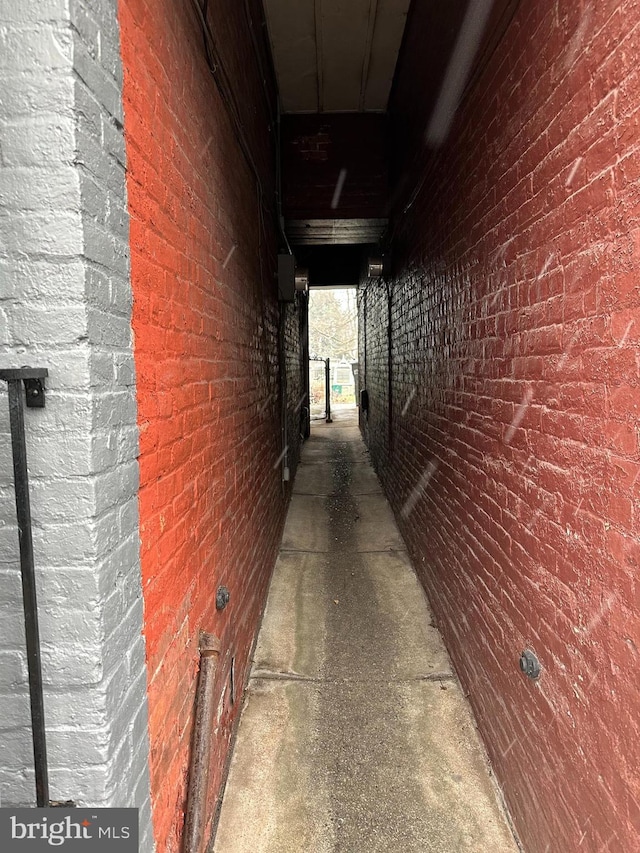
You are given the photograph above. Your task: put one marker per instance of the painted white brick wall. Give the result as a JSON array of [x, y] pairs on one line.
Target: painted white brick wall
[[65, 304]]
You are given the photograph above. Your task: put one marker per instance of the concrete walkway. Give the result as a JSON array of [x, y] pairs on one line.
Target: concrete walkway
[[355, 736]]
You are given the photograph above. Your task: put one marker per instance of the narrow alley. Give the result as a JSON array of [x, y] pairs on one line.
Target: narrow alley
[[356, 736], [446, 580]]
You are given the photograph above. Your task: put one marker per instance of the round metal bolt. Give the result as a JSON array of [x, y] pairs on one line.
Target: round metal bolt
[[529, 664], [222, 597]]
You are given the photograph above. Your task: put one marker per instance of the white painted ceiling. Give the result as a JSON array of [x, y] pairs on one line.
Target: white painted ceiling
[[335, 55]]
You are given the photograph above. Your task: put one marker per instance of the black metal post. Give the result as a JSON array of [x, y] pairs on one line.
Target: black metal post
[[327, 380], [305, 411], [15, 378]]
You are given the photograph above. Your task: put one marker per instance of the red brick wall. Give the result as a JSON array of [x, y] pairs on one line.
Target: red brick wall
[[315, 148], [206, 347], [512, 437]]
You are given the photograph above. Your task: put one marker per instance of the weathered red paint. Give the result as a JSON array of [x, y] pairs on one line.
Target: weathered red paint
[[205, 319], [514, 389]]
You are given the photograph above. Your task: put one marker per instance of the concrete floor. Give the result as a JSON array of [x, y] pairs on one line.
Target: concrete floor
[[355, 736]]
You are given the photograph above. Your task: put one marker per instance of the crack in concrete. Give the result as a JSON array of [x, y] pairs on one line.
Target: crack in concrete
[[263, 675], [350, 552]]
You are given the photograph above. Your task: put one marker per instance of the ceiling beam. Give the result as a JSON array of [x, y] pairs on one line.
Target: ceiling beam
[[322, 232]]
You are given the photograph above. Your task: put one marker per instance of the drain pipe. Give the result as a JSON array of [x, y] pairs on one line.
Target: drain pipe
[[201, 746], [284, 409]]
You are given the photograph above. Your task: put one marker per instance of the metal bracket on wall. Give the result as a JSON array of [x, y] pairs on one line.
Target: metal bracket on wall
[[529, 664], [223, 597], [34, 393], [33, 379]]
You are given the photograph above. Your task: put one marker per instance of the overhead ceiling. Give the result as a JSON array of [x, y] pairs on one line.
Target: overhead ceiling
[[335, 55]]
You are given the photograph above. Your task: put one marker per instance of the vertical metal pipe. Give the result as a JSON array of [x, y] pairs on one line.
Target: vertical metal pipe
[[327, 392], [195, 820], [363, 382], [390, 367], [284, 392], [304, 336], [27, 569]]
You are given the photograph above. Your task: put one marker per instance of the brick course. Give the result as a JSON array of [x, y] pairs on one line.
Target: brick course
[[510, 451]]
